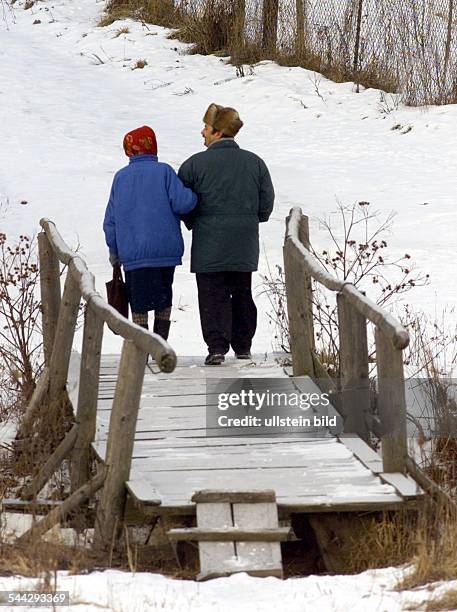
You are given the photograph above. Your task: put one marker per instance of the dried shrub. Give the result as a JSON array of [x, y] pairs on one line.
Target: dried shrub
[[357, 253], [425, 539], [140, 64], [210, 28], [431, 358], [160, 12], [20, 331]]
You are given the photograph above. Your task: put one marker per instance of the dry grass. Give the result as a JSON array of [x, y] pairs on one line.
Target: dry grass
[[358, 542], [140, 64], [36, 441], [446, 602], [435, 555], [120, 31], [385, 541], [160, 12], [426, 540], [211, 31], [41, 559]]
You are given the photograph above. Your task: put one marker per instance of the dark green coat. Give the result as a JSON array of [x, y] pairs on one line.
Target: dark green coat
[[235, 193]]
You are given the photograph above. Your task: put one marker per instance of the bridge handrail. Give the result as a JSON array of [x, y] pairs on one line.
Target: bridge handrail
[[354, 309], [377, 315], [59, 317], [163, 354]]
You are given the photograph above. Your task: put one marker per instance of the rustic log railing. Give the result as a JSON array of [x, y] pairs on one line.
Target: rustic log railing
[[354, 310], [59, 316]]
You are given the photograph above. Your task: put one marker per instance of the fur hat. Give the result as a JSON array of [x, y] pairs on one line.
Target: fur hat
[[141, 141], [223, 119]]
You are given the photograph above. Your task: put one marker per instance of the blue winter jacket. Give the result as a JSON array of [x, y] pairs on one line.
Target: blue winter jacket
[[142, 219]]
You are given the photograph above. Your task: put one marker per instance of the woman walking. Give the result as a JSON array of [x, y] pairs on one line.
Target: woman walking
[[142, 228]]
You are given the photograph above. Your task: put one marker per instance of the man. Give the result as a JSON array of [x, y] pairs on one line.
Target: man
[[235, 193]]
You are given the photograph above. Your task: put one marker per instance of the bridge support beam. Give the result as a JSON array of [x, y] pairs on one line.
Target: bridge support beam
[[391, 404], [63, 341], [50, 293], [355, 384], [86, 414], [299, 304], [121, 439]]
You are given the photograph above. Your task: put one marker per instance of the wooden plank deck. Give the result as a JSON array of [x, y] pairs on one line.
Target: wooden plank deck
[[173, 457]]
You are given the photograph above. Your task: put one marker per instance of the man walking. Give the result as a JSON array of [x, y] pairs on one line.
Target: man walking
[[235, 193]]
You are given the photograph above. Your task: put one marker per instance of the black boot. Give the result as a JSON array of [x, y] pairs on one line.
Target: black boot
[[162, 328]]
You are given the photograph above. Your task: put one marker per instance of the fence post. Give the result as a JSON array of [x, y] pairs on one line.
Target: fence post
[[121, 437], [300, 36], [50, 293], [355, 384], [299, 305], [86, 414], [357, 43], [448, 40], [63, 341], [240, 18], [270, 25], [391, 403]]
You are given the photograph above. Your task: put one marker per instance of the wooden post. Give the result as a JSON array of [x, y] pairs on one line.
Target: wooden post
[[58, 514], [303, 235], [50, 293], [391, 404], [357, 43], [121, 438], [270, 25], [300, 34], [355, 385], [447, 49], [63, 341], [299, 307], [39, 394], [51, 465], [86, 414], [238, 27]]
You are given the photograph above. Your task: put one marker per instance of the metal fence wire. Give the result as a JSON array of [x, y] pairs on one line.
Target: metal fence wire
[[406, 46]]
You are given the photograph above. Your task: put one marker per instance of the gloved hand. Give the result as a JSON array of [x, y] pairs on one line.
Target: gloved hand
[[114, 259]]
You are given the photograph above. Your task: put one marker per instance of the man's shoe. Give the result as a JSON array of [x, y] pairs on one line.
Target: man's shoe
[[243, 355], [214, 359]]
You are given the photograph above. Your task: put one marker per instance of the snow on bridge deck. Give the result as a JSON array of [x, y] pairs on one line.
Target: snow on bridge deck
[[173, 457]]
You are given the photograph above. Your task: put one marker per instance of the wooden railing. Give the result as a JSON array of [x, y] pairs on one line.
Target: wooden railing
[[59, 317], [354, 309]]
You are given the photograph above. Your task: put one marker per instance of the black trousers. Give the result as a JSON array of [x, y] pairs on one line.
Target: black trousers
[[228, 314]]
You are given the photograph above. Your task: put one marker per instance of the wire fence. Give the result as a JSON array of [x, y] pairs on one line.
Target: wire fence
[[406, 46]]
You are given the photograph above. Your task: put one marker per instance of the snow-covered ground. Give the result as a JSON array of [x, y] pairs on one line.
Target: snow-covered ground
[[119, 591], [116, 591], [67, 96]]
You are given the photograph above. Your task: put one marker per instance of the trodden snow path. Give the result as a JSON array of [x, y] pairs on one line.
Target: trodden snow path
[[68, 94]]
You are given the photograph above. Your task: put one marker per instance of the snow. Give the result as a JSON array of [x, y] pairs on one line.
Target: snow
[[116, 591], [67, 96], [65, 113]]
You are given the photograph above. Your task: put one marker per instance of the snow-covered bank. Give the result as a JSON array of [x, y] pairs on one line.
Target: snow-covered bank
[[124, 592], [68, 94], [117, 591]]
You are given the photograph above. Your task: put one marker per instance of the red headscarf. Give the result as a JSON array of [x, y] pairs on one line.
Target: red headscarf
[[141, 141]]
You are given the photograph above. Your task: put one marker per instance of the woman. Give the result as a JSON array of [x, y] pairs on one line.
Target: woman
[[142, 228]]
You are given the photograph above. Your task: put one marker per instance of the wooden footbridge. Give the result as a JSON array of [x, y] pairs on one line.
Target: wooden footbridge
[[146, 425]]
